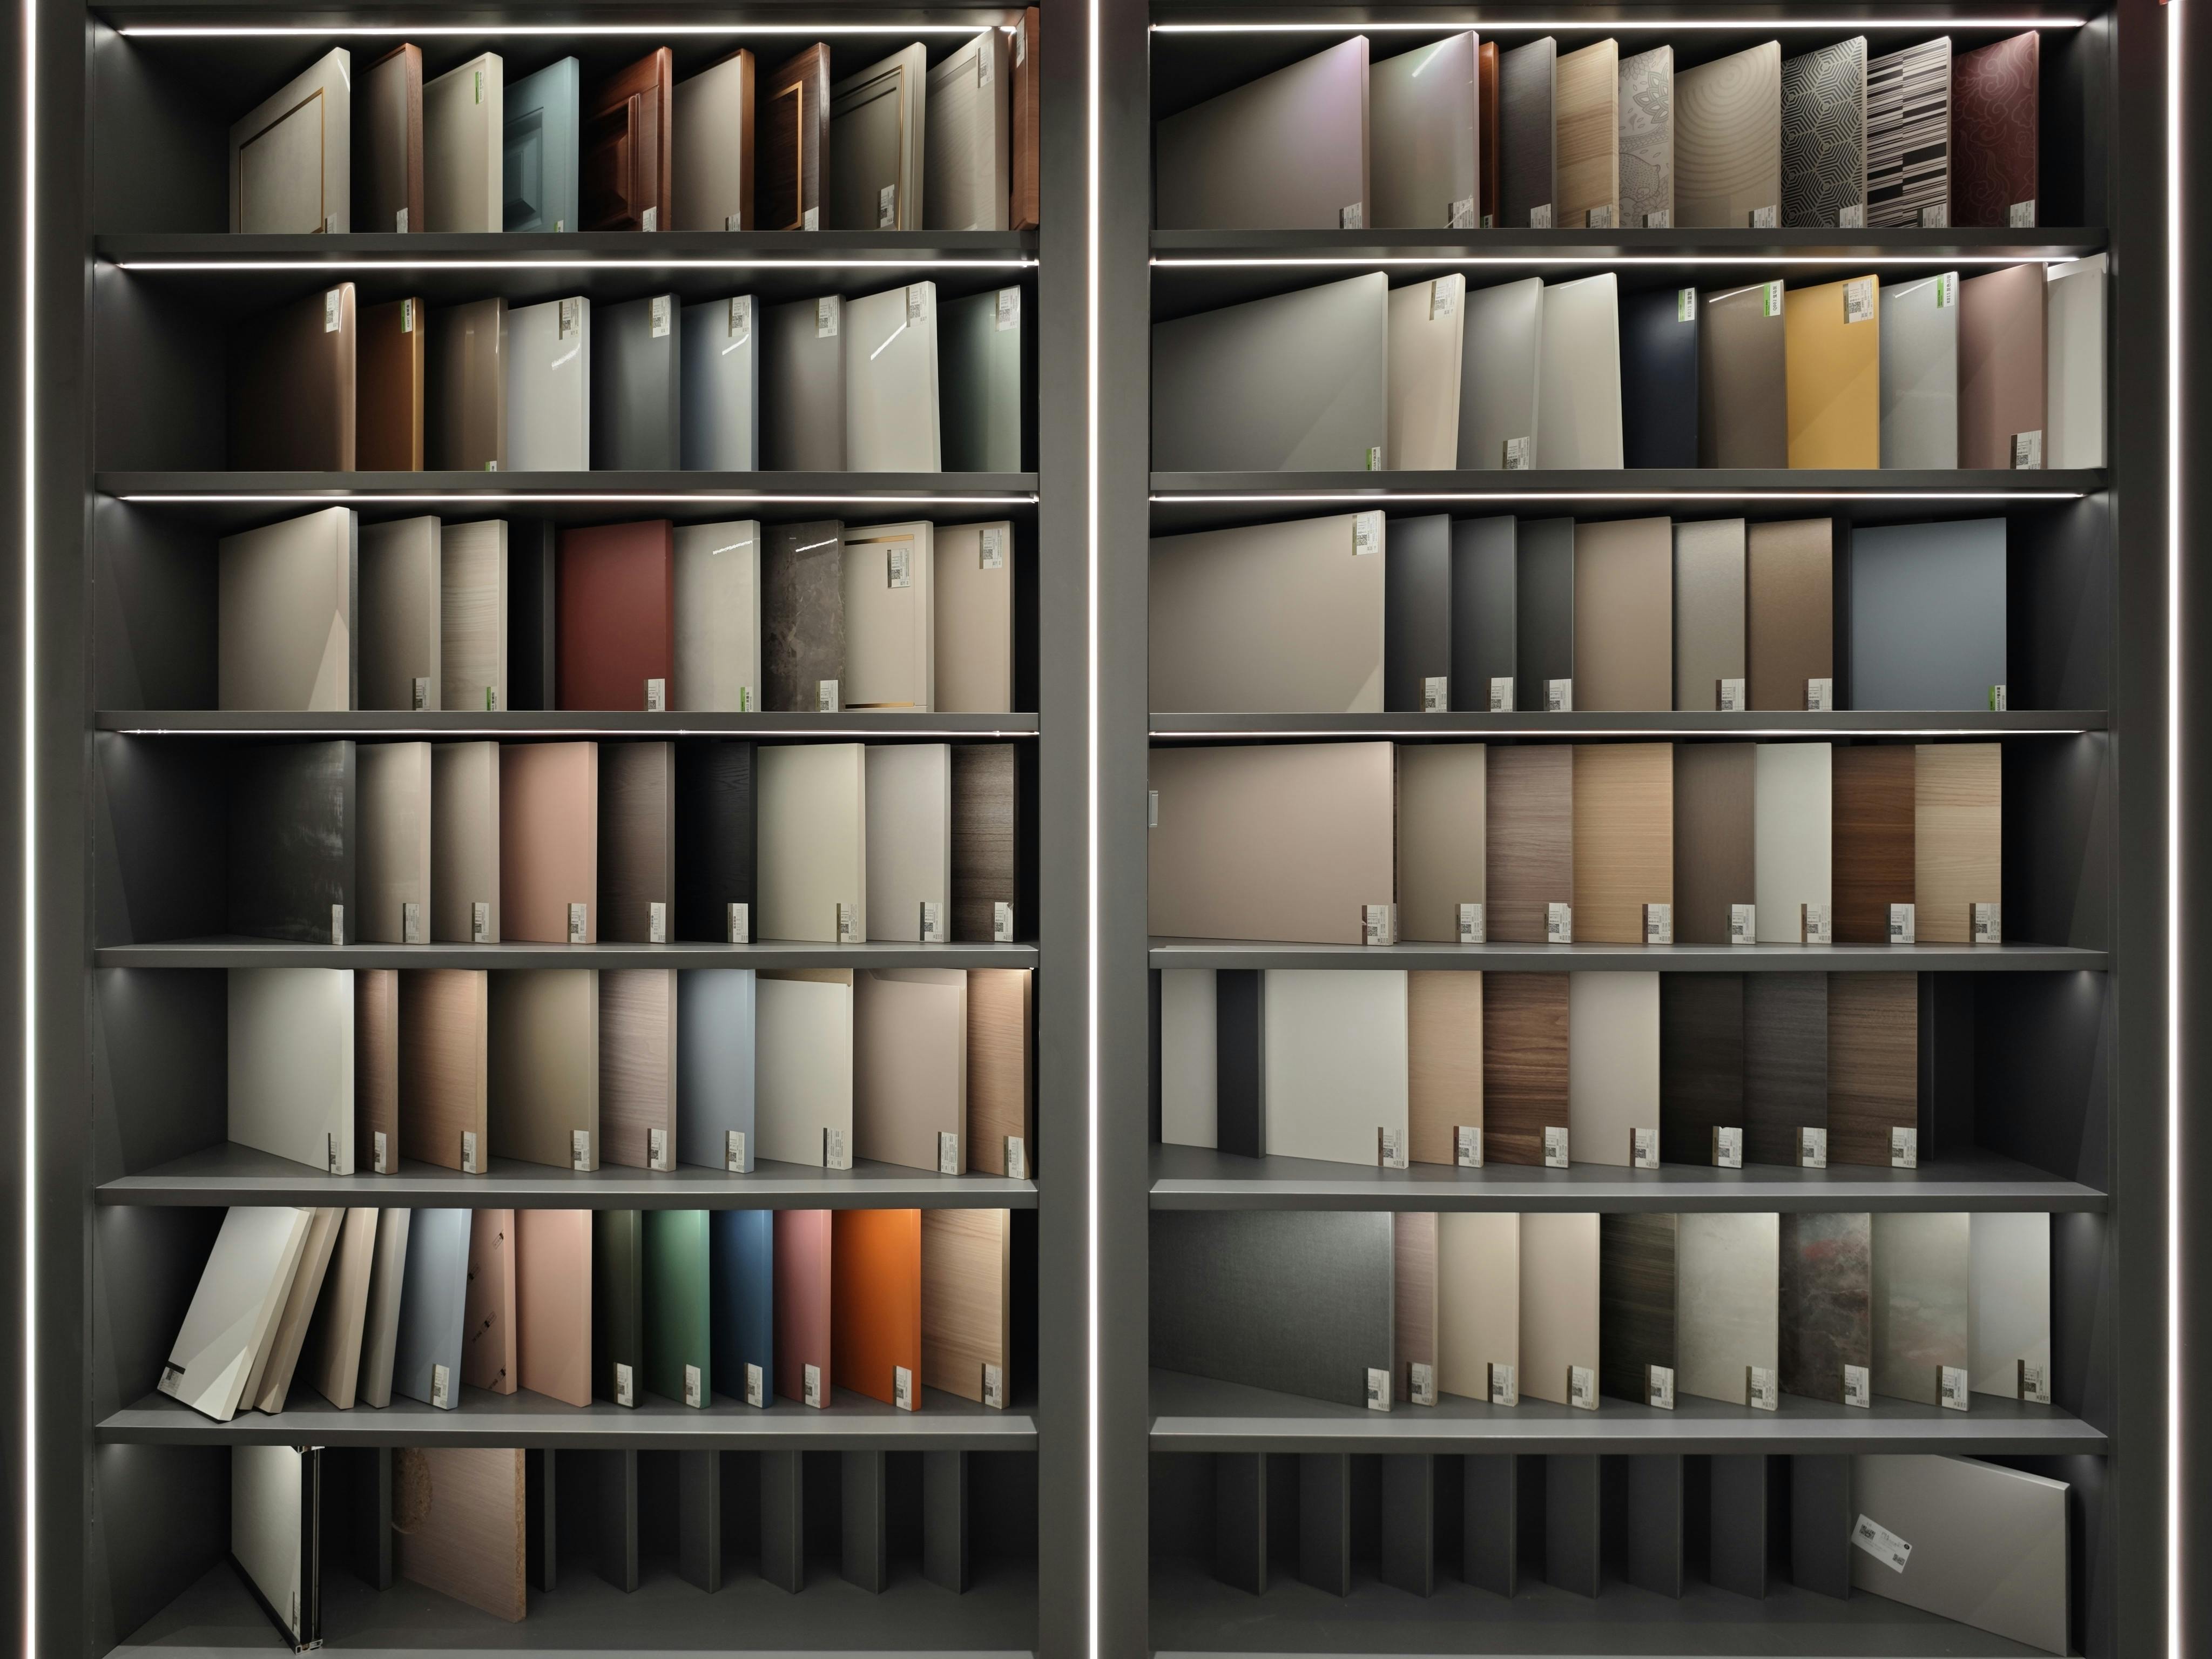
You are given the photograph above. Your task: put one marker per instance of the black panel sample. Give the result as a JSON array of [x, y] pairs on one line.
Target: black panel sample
[[864, 1520], [1240, 1520], [637, 405], [531, 608], [945, 1519], [699, 1518], [1572, 1508], [1240, 1059], [1504, 1535], [1651, 1504], [1659, 377], [783, 1520], [1820, 1517], [714, 844], [1743, 1525], [1325, 1521], [1544, 607], [1700, 1062], [615, 1527], [1417, 610], [1785, 1063], [292, 842], [1485, 611], [1635, 1301]]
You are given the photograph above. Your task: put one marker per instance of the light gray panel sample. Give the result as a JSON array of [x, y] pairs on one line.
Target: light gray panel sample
[[1498, 380], [721, 378], [1989, 1543], [1927, 615], [1920, 373], [1727, 1302], [1298, 382], [1922, 1274], [286, 598], [432, 1298], [803, 374], [979, 382], [636, 397], [891, 382], [714, 1067], [2008, 1304], [1285, 152], [965, 147], [1579, 376], [1424, 143], [549, 386]]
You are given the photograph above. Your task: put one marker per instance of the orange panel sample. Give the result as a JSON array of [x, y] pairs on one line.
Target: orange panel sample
[[875, 1300]]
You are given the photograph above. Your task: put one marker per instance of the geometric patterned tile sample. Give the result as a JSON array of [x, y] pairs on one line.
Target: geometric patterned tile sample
[[1824, 134]]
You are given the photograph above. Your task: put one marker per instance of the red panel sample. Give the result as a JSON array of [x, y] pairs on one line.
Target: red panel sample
[[803, 1300], [616, 615], [875, 1309]]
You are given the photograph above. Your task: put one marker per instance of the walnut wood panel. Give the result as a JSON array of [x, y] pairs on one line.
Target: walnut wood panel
[[999, 1088], [1958, 834], [983, 837], [794, 136], [1871, 851], [489, 1327], [457, 1514], [637, 1065], [1714, 837], [1524, 1064], [1789, 632], [1874, 1063], [389, 383], [1635, 1301], [444, 1014], [1785, 1063], [375, 1067], [1444, 1060], [966, 1257], [1586, 116], [1413, 1298], [626, 162], [1700, 1062], [1529, 855], [1624, 815], [637, 841]]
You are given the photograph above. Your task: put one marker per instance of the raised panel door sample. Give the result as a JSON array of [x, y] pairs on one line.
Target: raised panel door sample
[[463, 148], [813, 843], [1335, 1063], [875, 1300], [908, 839], [1927, 615], [1441, 838], [1728, 139], [1278, 618], [1790, 626], [1824, 134], [1478, 1299], [291, 157], [1792, 819], [878, 120], [275, 1504], [618, 1305], [1729, 1290], [375, 1069], [965, 155], [890, 607], [626, 143], [1920, 373], [389, 383], [1700, 1063], [2002, 340], [539, 168], [1922, 1272], [1413, 1300], [1485, 584], [794, 137], [678, 1305], [1560, 1327], [803, 1248], [714, 837], [1871, 811], [1636, 1317], [400, 582], [618, 614], [803, 1074], [1288, 151], [293, 401], [1423, 139], [1189, 1051], [488, 1349], [471, 606], [715, 1050], [548, 839], [1743, 414], [1785, 1063], [637, 841], [1580, 393], [2008, 1301], [1296, 383], [1873, 1064], [1624, 583], [1995, 123], [803, 617], [2074, 364], [910, 1065], [1624, 838], [637, 1068], [1908, 135], [544, 1066], [285, 602], [982, 347], [465, 842], [966, 1260], [553, 1303], [711, 135], [1524, 1064], [1027, 71], [891, 382], [1659, 377], [380, 1324], [1299, 1303], [426, 1363], [393, 779], [1647, 142], [719, 377], [1996, 1542], [1444, 1063], [1826, 1300], [548, 388], [444, 1039], [331, 1358], [292, 838], [1528, 839], [468, 360], [290, 1088], [460, 1524], [1714, 838], [1498, 385], [1527, 141], [1287, 842], [234, 1308], [1710, 610], [1586, 128], [1958, 838], [1426, 335], [1544, 607], [972, 648], [1417, 614], [637, 398], [999, 1088], [1613, 1064], [742, 1282], [1833, 375]]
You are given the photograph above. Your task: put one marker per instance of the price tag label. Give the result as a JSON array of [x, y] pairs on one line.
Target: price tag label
[[1951, 1387], [1858, 300], [1771, 299], [2027, 452], [2020, 216], [1581, 1388], [741, 924], [1391, 1147], [733, 1151], [1151, 809], [333, 310], [1018, 1158], [1997, 700], [917, 303], [410, 923], [1520, 454], [741, 314], [1002, 922], [579, 1149], [1852, 217], [1685, 305], [660, 311], [1727, 696], [656, 1153], [1350, 217], [1879, 1541], [1463, 214], [1989, 924], [1555, 1145], [733, 222], [1900, 924], [983, 64], [1601, 218], [993, 555], [1472, 929], [406, 315], [1466, 1145], [811, 1387], [480, 922], [898, 566], [1375, 458], [1904, 1148], [1009, 312], [948, 1153], [849, 923], [1764, 1389], [441, 1388], [932, 923], [1560, 696], [1558, 924], [570, 315], [1858, 1386], [1444, 298], [1658, 924], [835, 1156], [1812, 1148], [1728, 1147], [901, 1387], [1501, 695], [887, 207], [2035, 1381], [1504, 1389], [1659, 1387], [469, 1153], [1762, 218], [580, 923], [1936, 216], [1421, 1383], [1814, 924], [827, 310], [625, 1390], [694, 1395], [338, 924], [811, 218], [756, 1386], [1435, 694], [656, 696], [1819, 696], [422, 692], [1378, 1390], [826, 697], [383, 1156], [994, 1386], [1379, 924], [1366, 534], [1659, 219], [1743, 924], [656, 923], [1540, 217], [1644, 1148]]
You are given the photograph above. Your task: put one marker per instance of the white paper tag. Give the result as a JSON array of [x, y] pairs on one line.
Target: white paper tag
[[1659, 219], [1504, 1389], [1443, 298], [741, 924], [827, 310], [983, 66], [469, 1153], [383, 1157], [1009, 312], [948, 1153], [1519, 453], [1762, 218], [656, 922], [442, 1387], [1819, 696], [1997, 699], [932, 923], [1814, 924], [1555, 1145], [833, 1154], [649, 220], [1151, 809], [407, 312], [1901, 918], [734, 1151], [580, 923], [826, 697], [1390, 1148], [2027, 451], [1904, 1148], [2035, 1382], [1435, 694], [741, 315], [811, 218], [338, 924], [329, 1154], [480, 922], [1348, 218], [755, 1385], [656, 696], [733, 222], [1375, 458], [422, 692], [1002, 922], [1581, 1388], [1762, 1389], [917, 303], [1658, 924], [1472, 930], [1812, 1148], [1022, 44], [659, 313], [993, 555], [656, 1150], [1501, 695], [1989, 924], [1728, 1147], [1951, 1387], [1558, 924], [1644, 1148], [1743, 924], [1879, 1541], [848, 923], [1936, 216], [1379, 924], [333, 310], [2020, 216], [901, 1387], [1540, 217], [1858, 300], [1366, 534], [1489, 221], [693, 1395], [1461, 217], [1727, 696], [1659, 1387], [1420, 1382], [898, 566], [1601, 218], [1858, 1386], [1771, 299], [887, 207], [1466, 1145], [491, 700], [1852, 218], [811, 1387], [994, 1386], [1378, 1391], [1018, 1158], [1558, 697], [579, 1149], [569, 313], [625, 1393], [411, 922]]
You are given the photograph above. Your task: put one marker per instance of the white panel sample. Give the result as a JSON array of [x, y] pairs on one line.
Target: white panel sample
[[909, 841], [712, 157], [718, 618], [285, 601], [891, 606], [234, 1308], [464, 146], [1336, 1063], [966, 151], [1728, 1300], [380, 1335], [1613, 1064], [1580, 393], [1559, 1304], [812, 827], [549, 386], [268, 1522], [1478, 1298], [1189, 1057], [1427, 330], [1989, 1544], [290, 1090], [891, 382], [971, 572], [1423, 137], [1919, 322], [1923, 1300], [803, 1068], [1790, 836], [472, 617], [2008, 1300], [2074, 364], [1502, 352], [719, 381], [291, 157]]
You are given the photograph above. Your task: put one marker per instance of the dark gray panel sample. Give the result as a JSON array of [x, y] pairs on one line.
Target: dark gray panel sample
[[1785, 1063], [1407, 1548], [699, 1518], [1741, 1521], [1827, 1302], [615, 1520], [1572, 1508], [1240, 1520], [1485, 609], [1417, 610], [783, 1520], [1824, 133], [292, 835], [1503, 1539], [1652, 1493], [1543, 607], [1297, 1301], [945, 1519], [980, 343], [1927, 615], [532, 597], [714, 834], [802, 376], [1820, 1517], [864, 1520], [1240, 1055], [1659, 377], [1325, 1521], [637, 402], [1527, 162], [720, 386], [1700, 1062], [1635, 1301], [802, 614]]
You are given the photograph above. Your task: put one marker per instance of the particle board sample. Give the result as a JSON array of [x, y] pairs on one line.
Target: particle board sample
[[1586, 128], [637, 1068], [1484, 586], [972, 574], [889, 604], [637, 842], [1525, 1048], [291, 378], [891, 382], [1441, 838], [1335, 1063], [1289, 151], [803, 368], [719, 384], [1833, 375], [741, 1283], [1908, 135], [1501, 342], [1659, 377], [1544, 607], [1416, 612], [1927, 615], [616, 631], [1728, 140], [471, 377], [1785, 1063], [910, 1067], [965, 146], [291, 156], [278, 1357], [1638, 1320], [1613, 1065], [1990, 1545], [627, 148], [1709, 611], [1624, 838], [637, 393], [465, 787], [465, 148], [1444, 1063], [380, 1324], [553, 1303], [985, 352], [1478, 1299], [471, 610], [1189, 1058], [2008, 1302], [813, 843], [1743, 395], [487, 1339], [1873, 1064], [544, 1066], [1715, 838], [426, 1362], [1287, 841], [716, 1048], [389, 370], [802, 1075], [794, 137], [1560, 1325], [1920, 373], [1958, 838], [966, 1317], [290, 1081], [1995, 122], [618, 1306], [1824, 134], [1701, 1061], [234, 1308], [1789, 609], [460, 1524], [2002, 334], [1528, 139], [292, 838], [393, 811], [1826, 1300], [549, 386], [714, 837], [679, 1344], [444, 1037], [1424, 143], [1624, 583], [1647, 140], [984, 851], [874, 155], [1579, 393], [544, 114], [286, 598], [1427, 338], [1412, 1301], [2074, 364], [375, 1070], [332, 1357], [803, 617], [1528, 839], [875, 1303], [1729, 1284], [1922, 1272], [1792, 819], [711, 146], [1871, 813], [549, 840]]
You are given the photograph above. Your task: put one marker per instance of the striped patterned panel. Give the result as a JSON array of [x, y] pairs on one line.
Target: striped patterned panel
[[1909, 134]]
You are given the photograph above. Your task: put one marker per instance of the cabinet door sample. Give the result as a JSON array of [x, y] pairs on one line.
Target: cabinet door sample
[[1560, 1329], [531, 657], [627, 148], [966, 1260], [1613, 1064], [878, 120], [275, 1542], [908, 839], [637, 1068], [1336, 1064], [2074, 364], [460, 1526], [470, 604], [1908, 135], [465, 148], [803, 617], [426, 1362], [794, 136], [1296, 383], [1647, 146], [1785, 1063], [1638, 1320], [1586, 125], [1287, 842], [1700, 1063], [1624, 586], [270, 1381], [813, 843], [1996, 1542], [444, 1037], [291, 157], [678, 1304], [1478, 1299], [1580, 389], [1023, 205], [965, 149], [1624, 838], [234, 1310], [637, 400], [1288, 151], [544, 1066], [1922, 1272], [1444, 1063], [890, 382], [293, 404], [875, 1302], [1994, 131], [1423, 140], [1729, 1299], [400, 588], [618, 1306], [1743, 415], [981, 344], [1714, 838], [470, 373], [1524, 1064], [1296, 1303], [803, 367], [1927, 615], [910, 1066], [290, 1078], [972, 648], [1958, 838], [637, 842], [553, 1303], [1502, 343], [1189, 1058], [1920, 373], [802, 1301], [1873, 1064], [394, 875], [1728, 140], [380, 1324], [1824, 134], [1659, 377], [803, 1074], [1833, 379], [488, 1343], [741, 1283], [1826, 1299], [1413, 1301], [1528, 139], [1789, 627], [1792, 819], [285, 602], [1426, 337], [889, 605], [389, 372], [714, 837], [1416, 613], [2002, 340], [1544, 607], [617, 632], [711, 136], [1484, 587], [999, 1093], [465, 842], [2009, 1303], [538, 170], [719, 375], [332, 1360], [549, 840], [1871, 813], [294, 833], [1710, 610], [1441, 838], [715, 1049], [548, 388], [1528, 839]]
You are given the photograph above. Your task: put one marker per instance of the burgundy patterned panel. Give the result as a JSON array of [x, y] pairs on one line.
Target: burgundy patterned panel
[[1993, 115]]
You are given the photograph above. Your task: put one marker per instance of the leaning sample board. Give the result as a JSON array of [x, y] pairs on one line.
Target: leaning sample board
[[444, 1051], [891, 382], [1871, 842], [1501, 342], [1525, 1059], [1639, 1316], [1479, 1304], [2008, 1305], [331, 1358], [270, 1381], [2074, 364], [1579, 382], [966, 1305], [617, 1305], [2003, 337], [803, 1100], [542, 115], [1922, 1275], [1743, 415], [488, 1342], [1527, 840], [1995, 126], [713, 157], [1000, 1135], [803, 617], [1586, 127], [985, 853], [1715, 832], [234, 1308], [286, 598], [1828, 1302], [380, 1321], [1424, 137], [553, 1303], [910, 1068], [813, 843], [1709, 611], [1659, 377], [1528, 139], [291, 156], [794, 141], [1792, 818], [875, 1304], [1624, 840], [1874, 1064], [1785, 1065], [1990, 1544], [290, 1071], [460, 1523], [1624, 582], [1788, 612], [1426, 341], [275, 1535], [1288, 151], [803, 370], [426, 1362], [983, 349], [465, 148], [1443, 1063]]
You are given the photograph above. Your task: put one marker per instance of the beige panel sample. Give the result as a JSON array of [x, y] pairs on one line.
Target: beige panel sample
[[972, 570], [2074, 364], [1586, 136], [1478, 1299], [444, 1035], [1443, 1061], [464, 840], [813, 842], [910, 1066], [889, 611], [712, 158], [285, 602], [291, 157], [1709, 611], [1728, 140], [1613, 1064], [1335, 1066], [1790, 610], [553, 1303], [332, 1359], [375, 1068], [545, 1066], [394, 873], [637, 1068], [472, 617], [1958, 838], [458, 1523], [909, 841], [1427, 320], [290, 1333], [2008, 1301], [380, 1324], [465, 149], [1441, 859], [1189, 1056], [1990, 1544], [1792, 830], [965, 156], [290, 1076], [1623, 595], [488, 1329], [1624, 815], [1285, 152], [1727, 1279], [1001, 1092], [1559, 1304], [548, 839], [1412, 1300], [803, 1069], [401, 598], [967, 1258], [718, 616]]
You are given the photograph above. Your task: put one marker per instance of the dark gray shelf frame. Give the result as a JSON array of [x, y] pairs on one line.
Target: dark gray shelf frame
[[558, 723], [1665, 958], [1969, 723], [234, 952]]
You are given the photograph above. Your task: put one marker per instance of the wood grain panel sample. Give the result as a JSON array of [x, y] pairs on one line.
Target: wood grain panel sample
[[678, 1304], [985, 848], [1923, 1278], [1524, 1064], [1441, 838], [332, 1359], [1613, 1064], [794, 137], [1000, 1092], [1528, 839], [1022, 207], [1709, 611], [1790, 610], [393, 873], [637, 840], [618, 1305], [966, 1303], [1958, 838], [1728, 1274], [488, 1338], [553, 1303], [460, 1524], [875, 1300], [1478, 1299], [1873, 1064], [1412, 1300], [1792, 814], [1728, 139], [1743, 388], [388, 142], [1785, 1063], [1624, 838], [1700, 1063], [1834, 375], [802, 1303], [389, 384], [293, 835], [1559, 1325], [1824, 134], [1586, 127], [1636, 1302], [544, 1066], [465, 841], [1714, 829], [2003, 336], [624, 174], [910, 1065], [472, 601], [1826, 1300], [375, 1069], [293, 403], [1488, 110], [548, 839], [1444, 1063], [637, 1067], [464, 400], [1871, 847], [715, 836], [618, 617], [287, 598], [1995, 95], [1528, 140], [443, 1025], [1624, 583], [802, 615]]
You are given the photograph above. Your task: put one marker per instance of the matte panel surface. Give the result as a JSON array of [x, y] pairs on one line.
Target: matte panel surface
[[1728, 139], [802, 1301], [637, 840], [549, 857], [1624, 583], [637, 1067], [1659, 373], [966, 1314], [1647, 142], [433, 1308], [813, 842], [875, 1304], [1424, 144], [677, 1307], [539, 171], [1873, 1064], [999, 1085], [392, 786], [2008, 1302], [803, 380], [1990, 1545], [1871, 791], [1828, 1310], [910, 1065], [1613, 1065], [1792, 821], [802, 613], [1833, 375], [711, 154], [1484, 620], [1701, 1060], [444, 1039], [289, 1075], [465, 788], [1958, 838], [1524, 1064], [1336, 1063], [553, 1303], [1579, 393], [1785, 1063], [1728, 1278], [1528, 139], [1923, 1272], [617, 622], [972, 575], [714, 1077], [1478, 1298], [463, 148], [1444, 1063], [544, 1066], [1927, 615], [487, 1339], [1427, 325], [1498, 384], [715, 836], [293, 841], [472, 617], [286, 598], [802, 1077], [1790, 610], [1286, 152], [2002, 340], [1743, 414], [1624, 838], [1709, 611], [1441, 840], [1920, 373], [1560, 1327]]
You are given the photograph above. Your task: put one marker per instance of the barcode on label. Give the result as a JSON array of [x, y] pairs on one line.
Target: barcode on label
[[1644, 1148], [1728, 1147], [656, 923], [1560, 696], [755, 1385], [1558, 924], [656, 1149], [898, 566], [825, 315], [2027, 451], [1519, 454], [649, 220], [1819, 695], [917, 303], [1858, 300], [1540, 217], [1002, 922], [1659, 219], [1951, 1387], [480, 922], [1421, 1383], [411, 922], [442, 1387], [407, 312], [625, 1393], [1771, 296], [932, 923], [810, 220], [1904, 1148], [580, 923], [811, 1388], [1472, 930], [2020, 216], [948, 1153], [694, 1395], [994, 1386], [1009, 314], [1812, 1148], [1727, 694], [1852, 217], [741, 314], [579, 1149], [656, 696], [1936, 216], [1018, 1158], [1379, 924], [1989, 924], [903, 1388], [1501, 695], [659, 312], [1504, 1389], [887, 207], [1378, 1390], [1763, 1388], [1463, 214], [570, 309], [1348, 218], [1581, 1388], [1762, 218], [994, 554], [1601, 218], [834, 1154], [825, 697], [1858, 1386], [1555, 1145], [1814, 919], [1901, 924], [1879, 1541], [1366, 534], [733, 1151], [1392, 1148], [469, 1153], [1435, 694], [1466, 1145], [1444, 298], [1658, 924], [847, 925], [1659, 1387], [741, 924], [1743, 924], [333, 310]]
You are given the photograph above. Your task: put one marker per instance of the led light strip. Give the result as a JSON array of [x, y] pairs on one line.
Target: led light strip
[[1383, 495], [1820, 733], [1623, 25], [1178, 262], [2177, 472], [1094, 146], [431, 263], [30, 908], [762, 734], [512, 31], [643, 498]]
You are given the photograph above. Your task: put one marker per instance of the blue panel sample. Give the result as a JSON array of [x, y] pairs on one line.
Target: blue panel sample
[[1659, 377], [432, 1298], [540, 169], [714, 1066], [1927, 615], [743, 1299]]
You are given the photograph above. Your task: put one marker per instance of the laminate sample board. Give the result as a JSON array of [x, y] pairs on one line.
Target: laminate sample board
[[469, 360], [813, 843], [331, 1358], [549, 842], [1647, 145], [803, 616], [1958, 838], [889, 604], [286, 598], [553, 1303], [637, 842], [1528, 140], [1826, 1300], [1927, 615], [393, 814], [716, 1045], [1728, 1278], [234, 1308], [1417, 614], [1414, 1301], [637, 394], [617, 632], [465, 148], [1613, 1065], [803, 1066], [1478, 1300], [1715, 838], [711, 155], [743, 1285], [532, 658], [487, 1340], [985, 354], [1824, 134], [1441, 838], [1871, 792], [1024, 119], [1579, 389], [637, 1068], [966, 152], [1995, 92], [618, 1305], [1287, 841], [1922, 1269], [1710, 610], [1299, 1302], [878, 119], [274, 1363], [1701, 1063], [292, 386], [794, 136], [910, 1067], [1833, 378], [1785, 1063], [444, 1041], [2002, 340], [1489, 109], [627, 148], [802, 1301], [1873, 1064], [276, 1508], [1500, 373], [875, 1303], [544, 1066], [1659, 377], [1792, 819], [1485, 584], [1728, 140], [1789, 627], [966, 1314], [1560, 1323], [803, 370], [972, 574], [380, 1322], [291, 1079], [1443, 1063], [1426, 334], [293, 839], [1000, 1068], [549, 386], [1990, 1546], [1525, 1050], [426, 1362], [1908, 135], [1544, 607], [1624, 582], [1624, 838], [1240, 1049], [2008, 1304], [460, 1524], [1636, 1316], [2074, 364], [291, 156], [1289, 151], [472, 617], [1528, 839], [389, 382], [909, 838], [465, 842], [984, 846], [717, 603], [1586, 127], [679, 1362], [1920, 373], [544, 115], [1423, 139], [719, 380], [1335, 1063], [1743, 392]]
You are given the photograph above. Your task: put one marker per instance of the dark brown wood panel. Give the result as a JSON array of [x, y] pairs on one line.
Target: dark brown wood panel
[[1874, 1063], [387, 146], [388, 387], [627, 164], [1700, 1062], [983, 837], [1785, 1063], [375, 1067], [1827, 1301], [637, 841], [1635, 1302], [795, 141], [1524, 1064], [1529, 858], [1871, 849], [1713, 837], [1790, 605]]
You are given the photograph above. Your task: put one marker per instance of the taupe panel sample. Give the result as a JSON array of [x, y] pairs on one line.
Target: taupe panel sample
[[465, 841], [803, 385], [1298, 382], [1927, 615], [472, 617], [1524, 1064], [1874, 1063], [802, 613], [1580, 390], [890, 382], [285, 601], [1502, 340], [1920, 373], [1922, 1269], [1789, 627], [966, 1308], [910, 1065], [487, 1339], [637, 1067], [972, 575], [549, 386], [291, 843], [1710, 611], [718, 373], [548, 839], [986, 867], [380, 1324], [1785, 1063], [553, 1303], [1444, 1063], [290, 1082], [1743, 402], [1728, 139], [1586, 128], [332, 1359], [1958, 838], [1413, 1299], [444, 1027], [393, 781], [967, 159], [464, 146], [291, 157], [1527, 141], [375, 1067], [1727, 1279], [2074, 364], [1623, 586], [1792, 821], [1335, 1062], [1613, 1065], [1624, 838], [1286, 152], [1558, 1303], [1278, 618], [1635, 1301], [1189, 1058], [1647, 138], [873, 156], [813, 842], [1441, 837], [2002, 340], [545, 1048], [465, 410], [1827, 1308], [711, 148], [1284, 842], [803, 1070], [890, 604], [1478, 1299], [1426, 329], [1485, 588], [1824, 134], [1528, 839], [1424, 142], [909, 841], [637, 841], [1990, 1544], [2008, 1301], [1714, 837], [1001, 1092], [459, 1517]]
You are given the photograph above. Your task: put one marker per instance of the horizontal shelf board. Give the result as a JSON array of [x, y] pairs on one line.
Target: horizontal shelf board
[[647, 251], [1198, 1414], [1758, 723], [944, 1422], [561, 723], [233, 952], [1666, 958], [240, 1175], [1201, 1178]]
